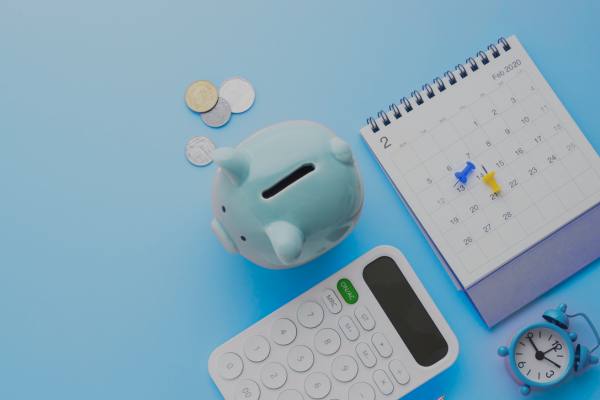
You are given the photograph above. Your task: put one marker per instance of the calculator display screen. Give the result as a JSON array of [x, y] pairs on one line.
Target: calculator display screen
[[404, 309]]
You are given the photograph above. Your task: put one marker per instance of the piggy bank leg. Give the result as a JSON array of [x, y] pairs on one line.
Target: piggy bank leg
[[223, 236], [286, 239]]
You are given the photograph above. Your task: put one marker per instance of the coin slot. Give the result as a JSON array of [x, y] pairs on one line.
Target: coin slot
[[296, 175]]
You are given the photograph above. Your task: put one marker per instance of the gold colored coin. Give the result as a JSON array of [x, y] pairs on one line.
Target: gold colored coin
[[201, 96]]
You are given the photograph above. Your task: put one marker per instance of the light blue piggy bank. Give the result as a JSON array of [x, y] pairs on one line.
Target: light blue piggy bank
[[286, 194]]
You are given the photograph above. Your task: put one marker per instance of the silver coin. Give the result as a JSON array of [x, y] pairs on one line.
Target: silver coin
[[219, 115], [199, 150], [239, 93]]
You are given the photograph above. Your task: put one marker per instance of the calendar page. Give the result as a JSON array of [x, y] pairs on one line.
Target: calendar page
[[503, 118]]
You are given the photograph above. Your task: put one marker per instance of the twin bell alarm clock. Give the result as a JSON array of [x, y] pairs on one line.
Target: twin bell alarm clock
[[544, 354], [286, 194]]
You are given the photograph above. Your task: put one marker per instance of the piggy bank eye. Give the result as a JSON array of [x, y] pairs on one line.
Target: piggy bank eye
[[223, 208], [243, 238]]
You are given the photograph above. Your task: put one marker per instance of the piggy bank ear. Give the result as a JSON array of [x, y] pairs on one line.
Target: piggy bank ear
[[341, 150], [286, 240], [223, 236], [233, 162]]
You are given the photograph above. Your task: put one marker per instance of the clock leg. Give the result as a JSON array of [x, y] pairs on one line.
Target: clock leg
[[525, 389], [503, 351]]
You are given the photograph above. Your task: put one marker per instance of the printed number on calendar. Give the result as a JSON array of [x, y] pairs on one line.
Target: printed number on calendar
[[385, 141], [533, 171]]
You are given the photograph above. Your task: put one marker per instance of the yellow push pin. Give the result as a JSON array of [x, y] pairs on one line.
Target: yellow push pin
[[490, 180]]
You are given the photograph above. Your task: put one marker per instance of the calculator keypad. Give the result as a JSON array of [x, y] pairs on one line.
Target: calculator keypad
[[331, 301], [257, 349], [247, 390], [344, 368], [300, 358], [364, 317], [317, 385], [230, 366], [349, 328], [324, 342], [310, 314], [361, 391], [399, 372], [327, 341], [383, 382], [273, 375], [283, 331], [365, 355], [382, 345]]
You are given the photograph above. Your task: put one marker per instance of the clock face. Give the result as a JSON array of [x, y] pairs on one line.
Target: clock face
[[542, 355]]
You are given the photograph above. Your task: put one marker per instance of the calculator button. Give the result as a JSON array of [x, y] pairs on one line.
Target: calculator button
[[310, 314], [364, 317], [317, 385], [382, 345], [399, 372], [273, 375], [247, 390], [230, 366], [331, 301], [361, 391], [283, 331], [327, 341], [366, 356], [344, 368], [348, 328], [257, 348], [383, 382], [290, 394], [300, 358]]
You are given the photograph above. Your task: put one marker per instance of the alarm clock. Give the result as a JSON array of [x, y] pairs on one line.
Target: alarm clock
[[544, 354]]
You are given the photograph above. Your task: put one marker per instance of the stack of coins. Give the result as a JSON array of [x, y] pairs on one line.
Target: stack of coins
[[235, 95]]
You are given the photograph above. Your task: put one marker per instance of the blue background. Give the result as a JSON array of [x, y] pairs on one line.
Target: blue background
[[111, 282]]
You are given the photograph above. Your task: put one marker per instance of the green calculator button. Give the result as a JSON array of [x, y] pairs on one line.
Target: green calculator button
[[346, 289]]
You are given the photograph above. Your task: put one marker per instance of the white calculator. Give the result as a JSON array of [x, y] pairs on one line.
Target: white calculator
[[370, 331]]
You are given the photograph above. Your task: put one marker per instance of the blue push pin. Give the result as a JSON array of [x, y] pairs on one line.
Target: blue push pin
[[463, 175]]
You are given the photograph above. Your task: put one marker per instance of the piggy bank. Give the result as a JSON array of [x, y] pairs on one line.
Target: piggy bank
[[286, 194]]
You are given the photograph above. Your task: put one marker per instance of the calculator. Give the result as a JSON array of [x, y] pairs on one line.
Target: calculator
[[369, 331]]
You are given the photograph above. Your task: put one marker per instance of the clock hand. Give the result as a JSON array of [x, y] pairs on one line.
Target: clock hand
[[557, 366], [533, 344], [550, 349]]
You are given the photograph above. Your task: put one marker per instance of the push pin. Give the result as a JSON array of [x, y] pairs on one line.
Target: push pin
[[464, 174], [490, 179]]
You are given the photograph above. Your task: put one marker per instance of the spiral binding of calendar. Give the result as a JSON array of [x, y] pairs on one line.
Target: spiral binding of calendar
[[428, 92]]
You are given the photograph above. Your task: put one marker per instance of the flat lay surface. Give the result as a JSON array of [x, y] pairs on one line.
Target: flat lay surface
[[112, 284]]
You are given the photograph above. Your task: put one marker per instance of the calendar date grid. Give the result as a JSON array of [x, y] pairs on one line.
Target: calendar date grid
[[528, 137]]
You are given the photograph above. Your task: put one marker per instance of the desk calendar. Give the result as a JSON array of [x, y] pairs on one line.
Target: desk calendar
[[497, 113]]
